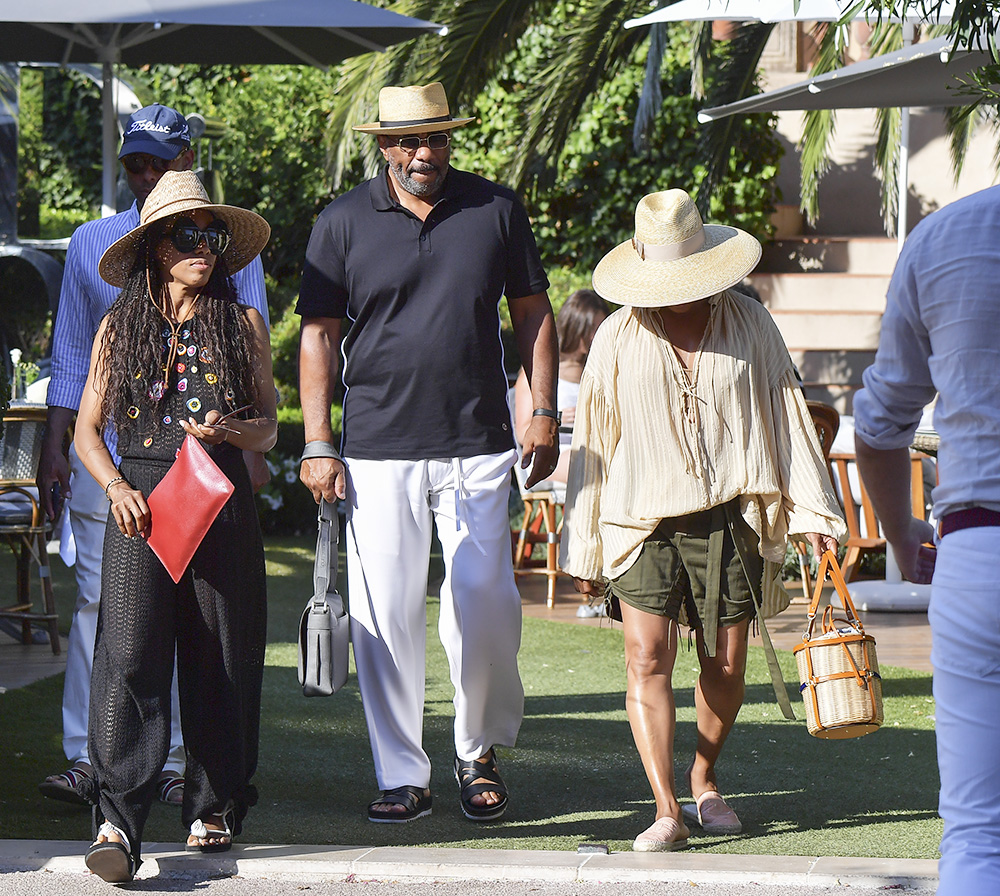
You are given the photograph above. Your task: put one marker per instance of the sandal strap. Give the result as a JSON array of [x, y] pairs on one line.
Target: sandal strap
[[167, 786], [406, 796], [75, 776], [107, 829], [470, 770], [202, 832]]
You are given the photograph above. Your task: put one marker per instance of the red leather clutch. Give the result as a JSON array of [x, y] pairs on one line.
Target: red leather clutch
[[184, 505]]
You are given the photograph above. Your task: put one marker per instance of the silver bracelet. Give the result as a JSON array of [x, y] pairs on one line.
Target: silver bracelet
[[114, 481]]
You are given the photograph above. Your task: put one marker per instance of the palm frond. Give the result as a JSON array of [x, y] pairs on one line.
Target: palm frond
[[593, 46], [819, 126], [887, 160], [736, 79], [701, 52], [651, 96]]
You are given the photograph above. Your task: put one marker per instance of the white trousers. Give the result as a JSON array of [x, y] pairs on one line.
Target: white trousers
[[965, 651], [391, 508], [88, 512]]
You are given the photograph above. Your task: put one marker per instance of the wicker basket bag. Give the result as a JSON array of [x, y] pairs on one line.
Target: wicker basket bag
[[838, 670]]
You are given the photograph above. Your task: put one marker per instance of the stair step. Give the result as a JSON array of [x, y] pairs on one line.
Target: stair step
[[829, 330], [820, 292], [842, 367], [830, 254]]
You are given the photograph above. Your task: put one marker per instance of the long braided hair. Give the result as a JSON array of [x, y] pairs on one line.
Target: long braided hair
[[131, 355]]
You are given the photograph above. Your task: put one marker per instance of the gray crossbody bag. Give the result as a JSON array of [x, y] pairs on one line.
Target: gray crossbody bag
[[323, 628]]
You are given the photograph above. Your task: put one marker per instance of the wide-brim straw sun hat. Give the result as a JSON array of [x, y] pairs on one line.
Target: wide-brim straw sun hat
[[177, 193], [412, 110], [674, 258]]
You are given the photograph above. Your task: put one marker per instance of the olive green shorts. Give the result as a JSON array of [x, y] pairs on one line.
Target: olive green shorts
[[670, 575]]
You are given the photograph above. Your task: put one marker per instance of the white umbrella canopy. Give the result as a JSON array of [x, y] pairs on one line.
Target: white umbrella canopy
[[207, 32], [775, 11]]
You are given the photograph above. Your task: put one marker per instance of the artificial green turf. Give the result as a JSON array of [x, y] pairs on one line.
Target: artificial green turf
[[574, 776]]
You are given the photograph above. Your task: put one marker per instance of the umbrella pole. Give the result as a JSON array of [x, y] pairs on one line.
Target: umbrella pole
[[902, 176], [109, 141], [902, 173]]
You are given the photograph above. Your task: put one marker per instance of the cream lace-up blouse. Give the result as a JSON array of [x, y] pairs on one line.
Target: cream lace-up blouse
[[652, 440]]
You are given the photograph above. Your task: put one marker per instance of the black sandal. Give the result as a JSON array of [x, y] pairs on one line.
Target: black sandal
[[477, 777], [415, 802], [110, 860]]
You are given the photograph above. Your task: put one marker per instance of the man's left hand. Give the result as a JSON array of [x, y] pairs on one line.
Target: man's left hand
[[541, 443]]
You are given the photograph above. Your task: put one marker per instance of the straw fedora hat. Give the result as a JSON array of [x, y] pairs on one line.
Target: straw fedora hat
[[177, 192], [412, 110], [674, 258]]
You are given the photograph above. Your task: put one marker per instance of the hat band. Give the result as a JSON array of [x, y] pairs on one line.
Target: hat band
[[669, 251], [161, 210], [414, 122]]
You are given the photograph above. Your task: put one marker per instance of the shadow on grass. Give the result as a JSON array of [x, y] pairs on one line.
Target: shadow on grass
[[574, 776]]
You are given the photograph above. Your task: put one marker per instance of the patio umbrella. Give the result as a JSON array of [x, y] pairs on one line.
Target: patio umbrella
[[924, 74], [207, 32]]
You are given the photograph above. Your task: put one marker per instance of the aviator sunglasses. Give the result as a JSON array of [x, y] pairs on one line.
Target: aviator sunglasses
[[186, 236], [412, 142]]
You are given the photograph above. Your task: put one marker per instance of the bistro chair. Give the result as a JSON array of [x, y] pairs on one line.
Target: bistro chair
[[542, 525], [864, 533], [23, 525]]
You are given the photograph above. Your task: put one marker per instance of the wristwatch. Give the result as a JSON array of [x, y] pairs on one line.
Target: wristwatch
[[545, 412]]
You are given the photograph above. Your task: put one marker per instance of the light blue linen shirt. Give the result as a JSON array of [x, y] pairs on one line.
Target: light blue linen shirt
[[941, 333], [85, 298]]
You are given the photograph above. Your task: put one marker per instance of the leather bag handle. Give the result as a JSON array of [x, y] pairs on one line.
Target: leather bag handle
[[327, 540], [829, 566]]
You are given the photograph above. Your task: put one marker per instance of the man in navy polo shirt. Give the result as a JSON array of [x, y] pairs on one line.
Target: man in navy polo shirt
[[417, 260]]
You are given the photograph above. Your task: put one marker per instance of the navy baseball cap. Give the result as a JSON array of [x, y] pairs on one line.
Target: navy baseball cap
[[156, 131]]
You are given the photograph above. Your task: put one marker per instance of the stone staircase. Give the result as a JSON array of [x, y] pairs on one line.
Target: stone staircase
[[827, 295]]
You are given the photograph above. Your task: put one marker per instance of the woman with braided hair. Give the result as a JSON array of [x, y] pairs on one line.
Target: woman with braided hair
[[177, 355]]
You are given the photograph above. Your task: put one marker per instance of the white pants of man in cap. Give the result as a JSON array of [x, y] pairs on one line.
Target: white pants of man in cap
[[392, 506]]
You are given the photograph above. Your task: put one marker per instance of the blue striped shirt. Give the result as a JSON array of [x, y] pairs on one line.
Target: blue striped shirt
[[85, 298]]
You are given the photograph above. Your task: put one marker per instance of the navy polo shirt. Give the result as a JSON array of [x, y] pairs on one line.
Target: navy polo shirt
[[423, 369]]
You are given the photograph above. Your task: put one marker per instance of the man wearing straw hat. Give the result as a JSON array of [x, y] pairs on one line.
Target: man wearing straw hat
[[156, 139], [418, 259], [693, 532], [939, 337]]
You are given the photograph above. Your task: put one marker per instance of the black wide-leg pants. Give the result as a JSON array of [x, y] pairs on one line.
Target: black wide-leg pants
[[215, 619]]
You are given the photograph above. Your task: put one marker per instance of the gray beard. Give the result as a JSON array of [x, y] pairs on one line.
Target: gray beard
[[414, 187]]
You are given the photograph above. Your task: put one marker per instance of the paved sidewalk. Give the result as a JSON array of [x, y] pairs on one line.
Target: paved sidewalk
[[318, 863]]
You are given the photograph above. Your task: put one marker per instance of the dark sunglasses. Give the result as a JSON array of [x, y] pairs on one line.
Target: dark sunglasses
[[412, 143], [187, 236], [137, 163]]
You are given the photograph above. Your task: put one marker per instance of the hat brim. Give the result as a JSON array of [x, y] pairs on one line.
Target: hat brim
[[250, 233], [156, 148], [375, 127], [726, 257]]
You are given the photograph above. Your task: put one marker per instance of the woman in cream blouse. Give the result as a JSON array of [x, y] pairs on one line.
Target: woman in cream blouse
[[694, 459]]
